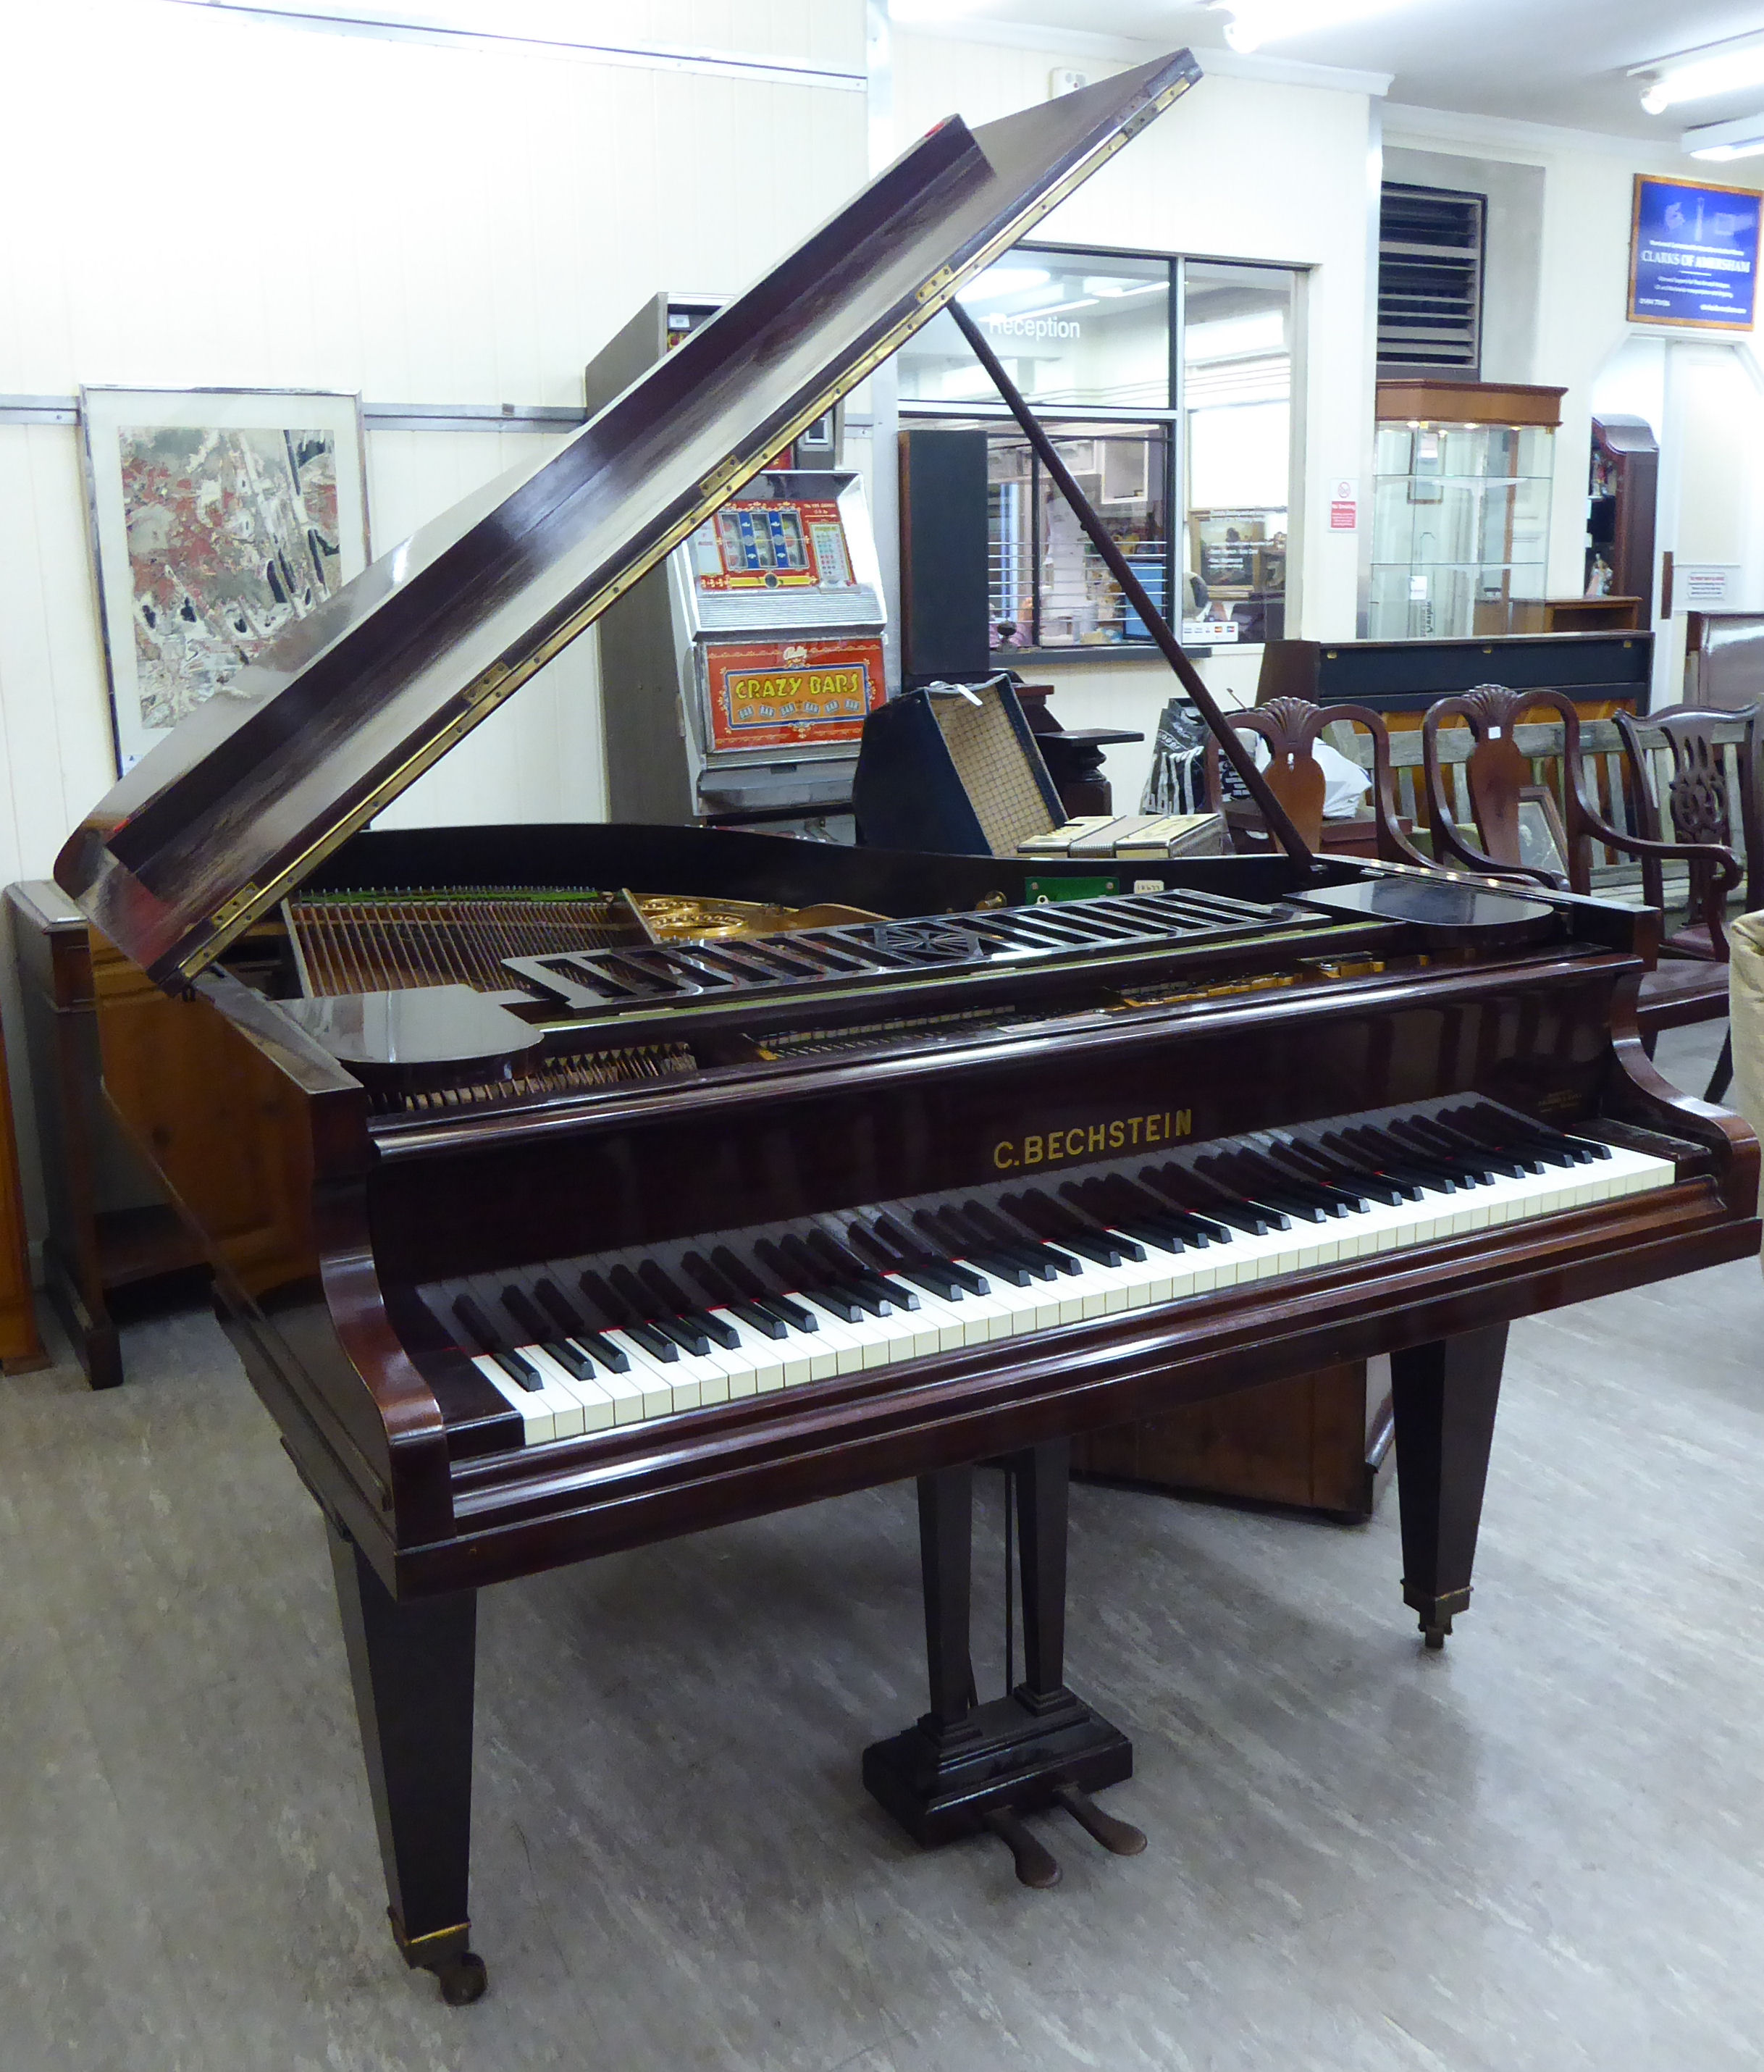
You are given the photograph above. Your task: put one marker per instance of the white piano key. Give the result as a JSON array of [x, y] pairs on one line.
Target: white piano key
[[595, 1402]]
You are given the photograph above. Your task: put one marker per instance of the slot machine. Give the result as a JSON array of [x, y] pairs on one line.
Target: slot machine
[[738, 676]]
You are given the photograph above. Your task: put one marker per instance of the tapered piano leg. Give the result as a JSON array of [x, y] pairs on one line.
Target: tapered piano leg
[[412, 1667], [946, 1533], [966, 1766], [1444, 1397]]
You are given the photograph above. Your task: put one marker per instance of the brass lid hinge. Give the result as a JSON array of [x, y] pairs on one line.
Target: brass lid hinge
[[225, 914]]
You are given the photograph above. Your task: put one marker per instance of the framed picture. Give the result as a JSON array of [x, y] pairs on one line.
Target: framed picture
[[219, 517], [1693, 254], [1543, 844]]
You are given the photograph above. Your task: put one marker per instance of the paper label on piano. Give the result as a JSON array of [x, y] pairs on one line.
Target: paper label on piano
[[792, 693]]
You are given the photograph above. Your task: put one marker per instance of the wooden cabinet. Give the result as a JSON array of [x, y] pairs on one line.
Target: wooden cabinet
[[20, 1346], [109, 1229], [1320, 1442], [1623, 489]]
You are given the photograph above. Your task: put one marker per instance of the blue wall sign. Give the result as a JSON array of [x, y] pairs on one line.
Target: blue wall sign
[[1693, 255]]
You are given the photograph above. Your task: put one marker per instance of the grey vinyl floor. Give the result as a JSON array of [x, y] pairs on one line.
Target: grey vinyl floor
[[1542, 1852]]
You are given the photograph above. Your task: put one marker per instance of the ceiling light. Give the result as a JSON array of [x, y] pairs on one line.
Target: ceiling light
[[911, 11], [1004, 281], [1255, 22], [1741, 138], [1726, 68]]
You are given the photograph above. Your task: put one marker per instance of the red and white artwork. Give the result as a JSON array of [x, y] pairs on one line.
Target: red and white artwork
[[232, 534]]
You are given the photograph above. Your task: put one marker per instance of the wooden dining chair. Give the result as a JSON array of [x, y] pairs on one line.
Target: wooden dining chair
[[1290, 727], [1677, 992], [1694, 958]]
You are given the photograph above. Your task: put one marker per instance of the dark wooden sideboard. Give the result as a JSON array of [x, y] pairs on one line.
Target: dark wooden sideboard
[[1601, 672], [110, 1231]]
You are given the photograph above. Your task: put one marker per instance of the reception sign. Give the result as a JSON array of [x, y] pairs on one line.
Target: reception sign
[[1693, 255]]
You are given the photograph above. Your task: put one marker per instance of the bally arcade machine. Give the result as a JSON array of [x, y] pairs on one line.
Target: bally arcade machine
[[736, 678]]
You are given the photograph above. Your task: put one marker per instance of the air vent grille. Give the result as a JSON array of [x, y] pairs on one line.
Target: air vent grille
[[1429, 280]]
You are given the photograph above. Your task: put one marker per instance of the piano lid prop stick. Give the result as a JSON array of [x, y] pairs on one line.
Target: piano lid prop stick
[[1243, 759]]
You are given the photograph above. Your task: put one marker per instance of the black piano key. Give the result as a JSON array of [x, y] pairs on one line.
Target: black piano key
[[1490, 1126], [1285, 1156], [641, 1301], [1211, 1203], [757, 1319], [1358, 1173], [618, 1316], [1233, 1171], [651, 1339], [1457, 1158], [609, 1311], [852, 1273], [614, 1359], [737, 1271], [1264, 1169], [575, 1332], [1549, 1144], [802, 1274], [1090, 1222], [791, 1312], [536, 1326], [573, 1358], [1360, 1186], [910, 1264], [963, 1276], [685, 1310], [1401, 1151], [1195, 1232], [1334, 1144], [966, 1246], [1125, 1207], [1360, 1142], [716, 1283], [994, 1231], [1054, 1222], [690, 1337], [1518, 1160], [556, 1305], [477, 1329], [832, 1290]]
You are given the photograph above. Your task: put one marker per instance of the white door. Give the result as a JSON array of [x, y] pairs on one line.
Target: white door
[[1711, 493]]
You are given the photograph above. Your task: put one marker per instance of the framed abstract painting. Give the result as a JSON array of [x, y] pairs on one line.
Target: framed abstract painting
[[218, 516]]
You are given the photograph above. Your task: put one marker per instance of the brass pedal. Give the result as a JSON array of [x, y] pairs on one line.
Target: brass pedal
[[1036, 1866], [1118, 1837]]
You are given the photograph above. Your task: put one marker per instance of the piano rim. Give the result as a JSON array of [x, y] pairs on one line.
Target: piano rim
[[529, 1509], [1083, 1034]]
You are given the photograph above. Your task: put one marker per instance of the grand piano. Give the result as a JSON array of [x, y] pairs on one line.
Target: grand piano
[[596, 1184]]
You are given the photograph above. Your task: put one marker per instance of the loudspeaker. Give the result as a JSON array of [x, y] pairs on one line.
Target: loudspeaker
[[945, 594]]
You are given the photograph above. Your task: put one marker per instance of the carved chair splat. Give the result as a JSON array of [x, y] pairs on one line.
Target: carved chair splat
[[1290, 727]]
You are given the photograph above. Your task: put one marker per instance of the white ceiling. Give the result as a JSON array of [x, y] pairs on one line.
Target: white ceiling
[[1555, 61]]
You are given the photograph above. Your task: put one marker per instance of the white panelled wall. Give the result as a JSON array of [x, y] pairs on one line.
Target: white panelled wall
[[200, 199]]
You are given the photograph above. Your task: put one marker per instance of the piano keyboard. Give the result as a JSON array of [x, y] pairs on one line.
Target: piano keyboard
[[584, 1345]]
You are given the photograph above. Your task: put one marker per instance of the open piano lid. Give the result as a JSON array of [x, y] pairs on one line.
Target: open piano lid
[[356, 701]]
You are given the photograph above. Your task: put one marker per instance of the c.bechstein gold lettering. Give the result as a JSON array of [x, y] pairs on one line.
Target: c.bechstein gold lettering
[[1092, 1140]]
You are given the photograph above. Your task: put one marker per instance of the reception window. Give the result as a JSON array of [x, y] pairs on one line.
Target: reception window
[[1166, 384]]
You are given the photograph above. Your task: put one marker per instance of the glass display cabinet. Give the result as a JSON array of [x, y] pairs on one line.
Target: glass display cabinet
[[1460, 508]]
